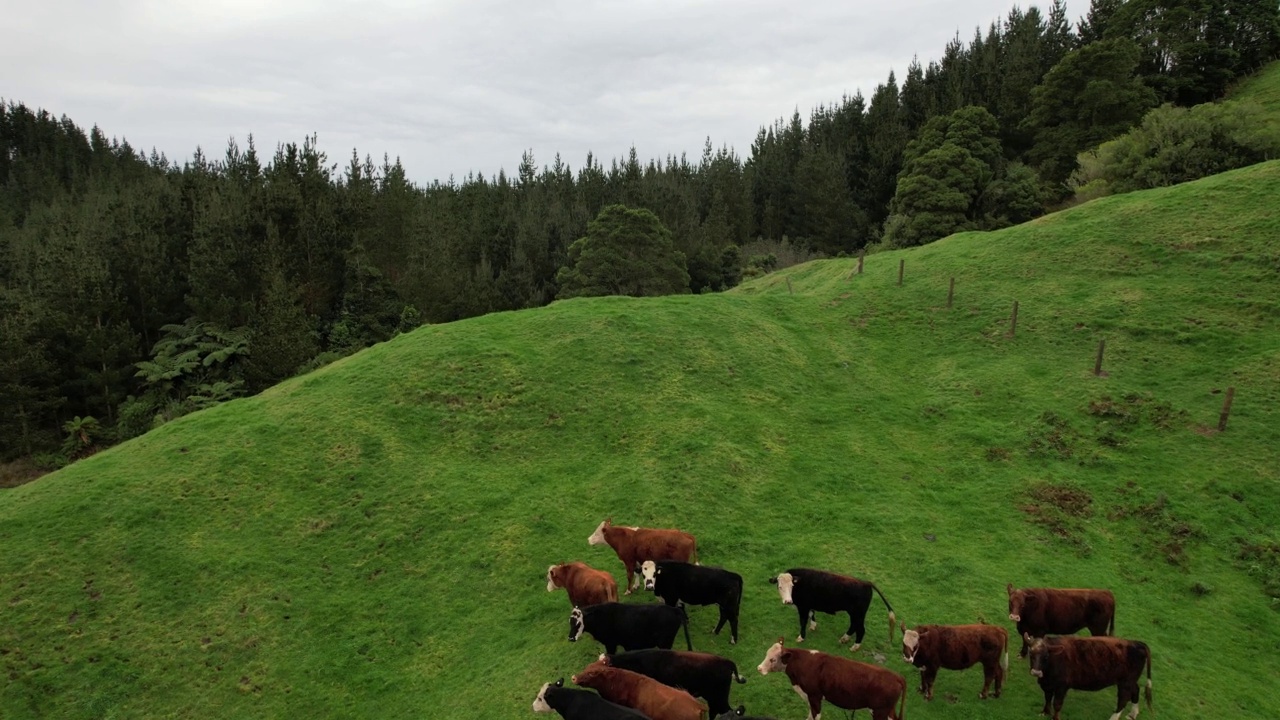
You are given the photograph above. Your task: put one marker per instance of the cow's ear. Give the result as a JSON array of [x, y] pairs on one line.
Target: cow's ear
[[773, 580], [657, 570], [560, 682], [786, 656], [1009, 589]]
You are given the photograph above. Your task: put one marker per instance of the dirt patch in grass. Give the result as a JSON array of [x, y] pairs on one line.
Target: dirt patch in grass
[[1262, 561], [1060, 508], [1164, 532], [1052, 436]]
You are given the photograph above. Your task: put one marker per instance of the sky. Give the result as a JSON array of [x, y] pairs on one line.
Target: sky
[[452, 87]]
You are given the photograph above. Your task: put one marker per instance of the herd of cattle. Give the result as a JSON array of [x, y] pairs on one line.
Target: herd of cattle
[[651, 680]]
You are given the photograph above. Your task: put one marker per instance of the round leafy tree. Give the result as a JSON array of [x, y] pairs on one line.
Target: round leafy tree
[[626, 251]]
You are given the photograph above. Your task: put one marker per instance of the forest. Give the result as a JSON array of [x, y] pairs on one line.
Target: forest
[[134, 289]]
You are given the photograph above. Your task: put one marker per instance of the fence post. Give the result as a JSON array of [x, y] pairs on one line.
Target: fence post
[[951, 291], [902, 264], [1226, 409], [1097, 365], [1013, 320], [789, 290], [862, 254]]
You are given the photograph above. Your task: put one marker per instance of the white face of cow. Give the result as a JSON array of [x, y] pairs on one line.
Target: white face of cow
[[910, 644], [540, 702], [597, 537], [576, 625], [649, 569], [772, 660], [785, 584], [551, 584]]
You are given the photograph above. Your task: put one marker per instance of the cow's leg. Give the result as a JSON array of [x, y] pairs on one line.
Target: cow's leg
[[999, 678], [988, 674], [805, 696], [1048, 699], [733, 625], [720, 625], [1058, 699], [930, 676], [813, 619], [857, 629], [1023, 652], [804, 615], [718, 700], [923, 688], [630, 577], [671, 601]]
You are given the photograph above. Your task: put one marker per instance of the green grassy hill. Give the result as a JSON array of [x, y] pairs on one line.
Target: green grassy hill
[[370, 540], [1262, 87]]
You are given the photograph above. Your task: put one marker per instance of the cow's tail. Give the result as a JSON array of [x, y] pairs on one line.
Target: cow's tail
[[893, 619], [737, 677], [684, 622], [1004, 655], [1111, 624], [1148, 691]]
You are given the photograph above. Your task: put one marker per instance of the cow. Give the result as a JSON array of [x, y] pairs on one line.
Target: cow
[[633, 627], [741, 714], [584, 584], [1045, 611], [820, 591], [957, 647], [702, 674], [676, 581], [634, 545], [580, 704], [658, 701], [1067, 663], [847, 684]]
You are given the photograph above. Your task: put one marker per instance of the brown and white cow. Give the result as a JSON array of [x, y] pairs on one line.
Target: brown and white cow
[[584, 584], [957, 647], [658, 701], [1067, 663], [1051, 611], [845, 683], [634, 545]]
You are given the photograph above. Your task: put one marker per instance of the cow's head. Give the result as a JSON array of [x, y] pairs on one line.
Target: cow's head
[[1019, 602], [576, 625], [1040, 650], [540, 702], [590, 676], [597, 537], [776, 659], [785, 583], [910, 644], [650, 570], [553, 578]]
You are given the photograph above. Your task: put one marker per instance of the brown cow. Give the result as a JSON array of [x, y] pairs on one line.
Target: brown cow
[[957, 647], [634, 545], [658, 701], [1060, 664], [1044, 611], [584, 584], [846, 683]]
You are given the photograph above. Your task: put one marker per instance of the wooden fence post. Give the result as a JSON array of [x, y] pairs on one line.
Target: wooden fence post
[[862, 254], [1226, 409], [1097, 365], [902, 264], [789, 290], [951, 291], [1013, 320]]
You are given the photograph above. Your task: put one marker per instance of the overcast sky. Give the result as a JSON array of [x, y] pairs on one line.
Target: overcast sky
[[468, 85]]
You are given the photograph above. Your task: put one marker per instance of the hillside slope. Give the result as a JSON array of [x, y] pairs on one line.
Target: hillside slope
[[370, 540]]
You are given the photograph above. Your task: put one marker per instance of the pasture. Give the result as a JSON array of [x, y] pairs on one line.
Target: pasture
[[371, 539]]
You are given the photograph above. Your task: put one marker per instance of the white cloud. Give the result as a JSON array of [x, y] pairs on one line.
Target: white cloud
[[458, 86]]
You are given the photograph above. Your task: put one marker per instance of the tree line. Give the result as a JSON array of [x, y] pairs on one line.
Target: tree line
[[134, 289]]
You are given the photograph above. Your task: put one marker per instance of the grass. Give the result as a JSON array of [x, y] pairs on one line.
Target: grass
[[370, 539], [1262, 87]]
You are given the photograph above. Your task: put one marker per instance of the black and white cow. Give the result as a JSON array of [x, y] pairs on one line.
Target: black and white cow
[[700, 674], [676, 581], [580, 704], [633, 627], [813, 591], [741, 714]]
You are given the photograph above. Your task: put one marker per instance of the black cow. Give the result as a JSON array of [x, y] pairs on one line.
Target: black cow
[[580, 704], [700, 674], [676, 581], [741, 714], [633, 627], [820, 591]]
